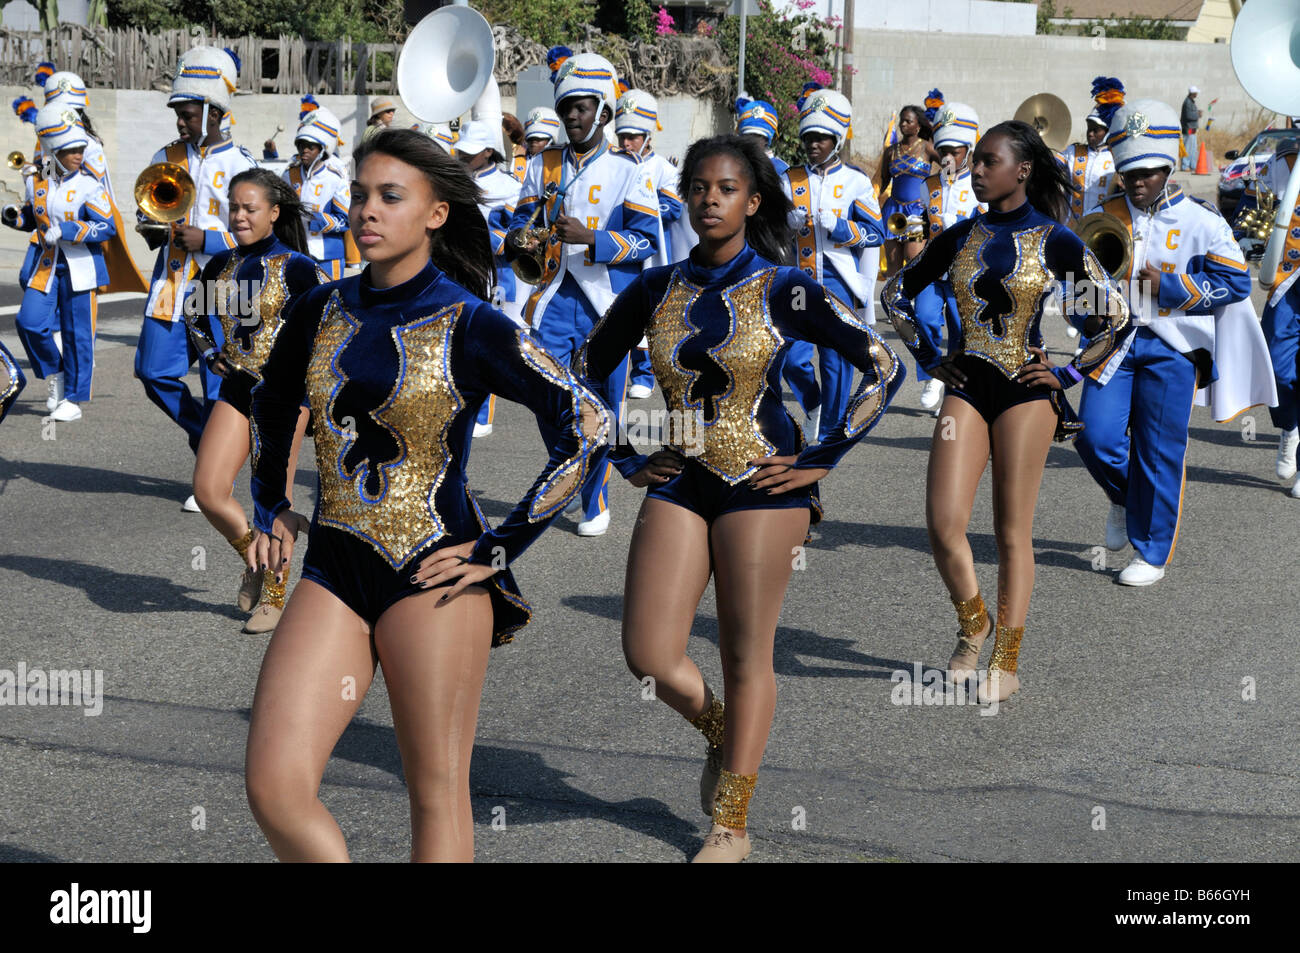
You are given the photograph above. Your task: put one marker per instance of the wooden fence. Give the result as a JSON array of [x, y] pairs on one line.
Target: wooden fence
[[136, 59]]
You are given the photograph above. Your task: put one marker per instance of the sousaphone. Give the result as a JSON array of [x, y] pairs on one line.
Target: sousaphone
[[446, 63], [1050, 116]]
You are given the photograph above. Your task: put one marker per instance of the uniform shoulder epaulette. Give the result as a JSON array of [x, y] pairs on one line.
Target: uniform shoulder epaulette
[[1203, 203], [856, 168], [634, 159], [248, 155]]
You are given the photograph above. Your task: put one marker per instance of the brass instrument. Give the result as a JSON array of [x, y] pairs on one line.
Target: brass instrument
[[1257, 222], [164, 192], [530, 266], [16, 160], [901, 229], [1108, 238], [1050, 116]]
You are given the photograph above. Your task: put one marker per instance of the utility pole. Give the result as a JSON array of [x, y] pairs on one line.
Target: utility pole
[[846, 81]]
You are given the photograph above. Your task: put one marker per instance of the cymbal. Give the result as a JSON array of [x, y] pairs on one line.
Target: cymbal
[[1050, 116]]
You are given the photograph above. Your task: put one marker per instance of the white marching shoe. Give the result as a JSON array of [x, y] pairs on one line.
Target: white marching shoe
[[190, 505], [639, 391], [932, 395], [54, 388], [1287, 442], [1116, 528], [595, 526], [1141, 573], [66, 411], [1295, 489], [482, 430], [811, 424]]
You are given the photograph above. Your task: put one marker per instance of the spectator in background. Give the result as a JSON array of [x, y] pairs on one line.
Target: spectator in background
[[1189, 120]]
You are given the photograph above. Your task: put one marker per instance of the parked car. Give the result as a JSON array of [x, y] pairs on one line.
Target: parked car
[[1232, 180]]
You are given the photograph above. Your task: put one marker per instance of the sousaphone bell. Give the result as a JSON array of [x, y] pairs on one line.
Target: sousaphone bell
[[1050, 116]]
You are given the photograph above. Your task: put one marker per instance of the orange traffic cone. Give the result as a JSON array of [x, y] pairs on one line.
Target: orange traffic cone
[[1203, 161]]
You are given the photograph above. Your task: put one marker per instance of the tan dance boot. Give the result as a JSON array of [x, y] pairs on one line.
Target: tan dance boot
[[728, 840], [1002, 681], [710, 724], [267, 614], [975, 625], [250, 586]]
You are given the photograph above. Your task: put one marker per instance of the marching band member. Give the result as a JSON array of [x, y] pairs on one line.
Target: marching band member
[[836, 219], [636, 120], [757, 118], [248, 291], [322, 182], [201, 94], [604, 222], [1090, 165], [401, 569], [12, 381], [476, 147], [1137, 408], [69, 215], [1281, 319], [904, 167], [513, 130], [540, 130], [1005, 399], [732, 495], [951, 199]]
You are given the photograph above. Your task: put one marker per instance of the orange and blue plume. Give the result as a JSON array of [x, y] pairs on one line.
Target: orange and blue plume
[[307, 106], [621, 87], [25, 109], [808, 87], [1108, 94], [933, 103], [44, 70], [555, 58]]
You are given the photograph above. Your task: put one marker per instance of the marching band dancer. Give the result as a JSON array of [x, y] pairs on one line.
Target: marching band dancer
[[201, 94], [1137, 408], [603, 220], [322, 182], [904, 167], [1281, 319], [248, 291], [401, 570], [837, 220], [951, 200], [735, 489], [476, 147], [70, 217], [1004, 396], [636, 120]]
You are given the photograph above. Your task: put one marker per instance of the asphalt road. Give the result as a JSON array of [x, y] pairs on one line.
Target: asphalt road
[[1130, 740]]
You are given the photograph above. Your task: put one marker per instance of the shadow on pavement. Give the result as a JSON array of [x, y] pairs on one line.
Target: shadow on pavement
[[78, 479]]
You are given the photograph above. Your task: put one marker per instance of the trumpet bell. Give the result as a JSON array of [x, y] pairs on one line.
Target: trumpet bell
[[1050, 116], [16, 160], [445, 64], [897, 224], [1108, 238], [165, 192]]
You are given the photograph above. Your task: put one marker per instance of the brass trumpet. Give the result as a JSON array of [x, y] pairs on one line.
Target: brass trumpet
[[1108, 238], [530, 266], [1257, 223], [900, 228], [16, 160], [164, 192]]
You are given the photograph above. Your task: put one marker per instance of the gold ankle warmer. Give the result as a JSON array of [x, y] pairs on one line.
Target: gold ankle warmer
[[971, 614], [710, 723], [731, 806], [241, 545], [1006, 648], [272, 591]]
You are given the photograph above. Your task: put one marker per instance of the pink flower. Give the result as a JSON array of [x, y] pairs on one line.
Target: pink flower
[[664, 23]]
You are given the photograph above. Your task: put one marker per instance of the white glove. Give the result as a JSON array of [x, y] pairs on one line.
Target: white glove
[[795, 219], [827, 220], [51, 235]]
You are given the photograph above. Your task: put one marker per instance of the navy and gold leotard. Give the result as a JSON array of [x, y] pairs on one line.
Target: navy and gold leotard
[[246, 292], [395, 377], [718, 339], [1003, 267], [12, 381]]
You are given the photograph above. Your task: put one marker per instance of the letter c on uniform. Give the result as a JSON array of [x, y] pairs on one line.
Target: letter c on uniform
[[1169, 239], [593, 195], [218, 179], [965, 194], [838, 191]]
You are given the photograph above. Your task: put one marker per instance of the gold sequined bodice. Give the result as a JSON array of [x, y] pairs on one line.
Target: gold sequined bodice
[[258, 321], [713, 390]]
